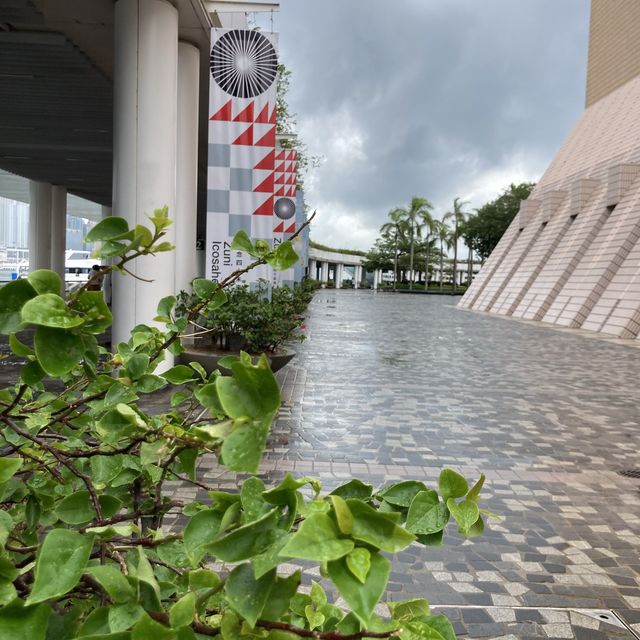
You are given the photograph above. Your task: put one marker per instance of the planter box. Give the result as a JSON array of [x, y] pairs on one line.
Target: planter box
[[209, 358]]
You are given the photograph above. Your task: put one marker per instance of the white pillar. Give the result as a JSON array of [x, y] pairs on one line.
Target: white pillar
[[58, 229], [339, 275], [144, 147], [187, 165], [313, 269], [39, 225], [357, 276], [324, 272]]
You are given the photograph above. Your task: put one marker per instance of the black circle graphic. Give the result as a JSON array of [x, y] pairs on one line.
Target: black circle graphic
[[284, 208], [244, 63]]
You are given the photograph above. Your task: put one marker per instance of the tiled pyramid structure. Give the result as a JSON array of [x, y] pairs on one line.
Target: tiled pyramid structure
[[571, 257]]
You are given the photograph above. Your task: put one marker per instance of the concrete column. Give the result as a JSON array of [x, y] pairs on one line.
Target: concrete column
[[107, 282], [58, 229], [313, 269], [357, 276], [144, 147], [376, 279], [187, 165], [339, 275], [40, 194], [324, 272]]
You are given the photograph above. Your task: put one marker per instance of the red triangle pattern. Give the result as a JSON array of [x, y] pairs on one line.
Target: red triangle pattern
[[279, 179], [267, 163], [266, 186], [224, 113], [266, 208], [279, 192], [268, 139], [272, 119], [279, 228], [245, 138], [280, 168], [263, 116], [291, 229], [280, 155], [246, 115]]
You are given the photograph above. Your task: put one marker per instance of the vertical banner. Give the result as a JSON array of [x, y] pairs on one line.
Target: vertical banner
[[284, 208], [301, 244], [242, 140]]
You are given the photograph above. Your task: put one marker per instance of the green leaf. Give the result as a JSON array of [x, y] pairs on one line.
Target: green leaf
[[427, 514], [183, 611], [242, 448], [144, 571], [359, 563], [282, 590], [289, 485], [207, 396], [318, 538], [407, 609], [401, 494], [45, 281], [8, 468], [476, 529], [58, 351], [123, 616], [465, 514], [314, 618], [8, 592], [153, 452], [113, 582], [13, 296], [204, 288], [32, 373], [219, 299], [107, 228], [148, 383], [19, 348], [60, 563], [283, 257], [377, 529], [318, 595], [180, 374], [344, 517], [246, 594], [452, 484], [252, 392], [361, 597], [242, 242], [253, 503], [246, 541], [105, 468], [201, 529], [353, 489], [270, 557], [94, 310], [24, 623], [146, 629], [77, 507], [429, 628], [165, 306], [49, 310], [474, 492]]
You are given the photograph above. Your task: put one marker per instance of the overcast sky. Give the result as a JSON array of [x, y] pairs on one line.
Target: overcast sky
[[436, 98]]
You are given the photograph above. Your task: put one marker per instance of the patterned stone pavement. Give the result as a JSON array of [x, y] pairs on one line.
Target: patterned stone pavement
[[391, 387]]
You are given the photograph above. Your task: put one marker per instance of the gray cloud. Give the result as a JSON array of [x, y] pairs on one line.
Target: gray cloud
[[439, 98]]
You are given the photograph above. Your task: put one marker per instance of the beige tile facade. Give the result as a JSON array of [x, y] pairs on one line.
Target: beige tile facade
[[572, 255], [614, 46]]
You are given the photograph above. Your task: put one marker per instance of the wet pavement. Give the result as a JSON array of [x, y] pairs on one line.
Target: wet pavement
[[390, 387]]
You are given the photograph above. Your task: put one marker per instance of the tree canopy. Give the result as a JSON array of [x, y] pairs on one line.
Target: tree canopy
[[483, 231]]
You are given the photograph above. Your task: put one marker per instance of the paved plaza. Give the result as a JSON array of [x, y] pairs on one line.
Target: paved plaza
[[391, 386]]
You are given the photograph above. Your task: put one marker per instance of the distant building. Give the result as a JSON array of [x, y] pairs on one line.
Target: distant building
[[571, 257]]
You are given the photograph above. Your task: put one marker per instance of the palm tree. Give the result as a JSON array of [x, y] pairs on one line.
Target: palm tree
[[392, 229], [458, 216], [418, 208], [443, 234], [428, 224]]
